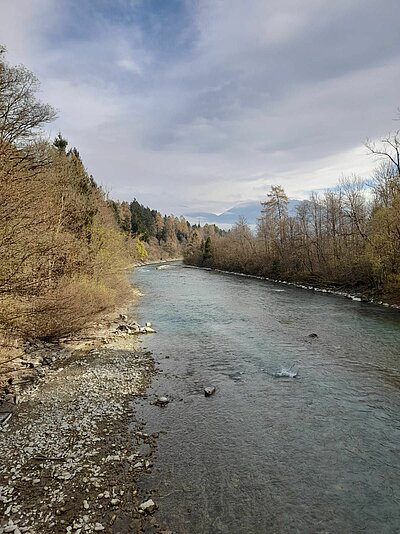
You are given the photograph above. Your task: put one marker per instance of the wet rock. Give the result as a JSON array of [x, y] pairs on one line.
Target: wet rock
[[208, 391], [285, 373], [147, 330], [162, 401], [148, 506], [313, 335]]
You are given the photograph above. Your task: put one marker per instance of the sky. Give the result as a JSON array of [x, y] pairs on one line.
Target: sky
[[197, 105]]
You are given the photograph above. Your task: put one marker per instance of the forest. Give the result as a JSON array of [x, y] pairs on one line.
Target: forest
[[347, 238], [64, 245]]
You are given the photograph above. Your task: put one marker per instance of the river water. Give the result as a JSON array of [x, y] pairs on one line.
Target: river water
[[315, 453]]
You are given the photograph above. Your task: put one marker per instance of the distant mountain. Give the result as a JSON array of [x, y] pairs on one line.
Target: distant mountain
[[250, 211]]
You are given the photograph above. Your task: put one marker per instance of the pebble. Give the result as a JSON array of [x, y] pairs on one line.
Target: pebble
[[148, 506], [66, 442]]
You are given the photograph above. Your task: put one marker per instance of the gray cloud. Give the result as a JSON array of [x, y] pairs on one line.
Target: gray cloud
[[212, 104]]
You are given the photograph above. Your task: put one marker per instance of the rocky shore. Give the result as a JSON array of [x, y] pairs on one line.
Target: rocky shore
[[73, 452]]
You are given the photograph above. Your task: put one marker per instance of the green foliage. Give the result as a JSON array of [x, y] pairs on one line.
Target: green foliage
[[141, 249], [60, 143]]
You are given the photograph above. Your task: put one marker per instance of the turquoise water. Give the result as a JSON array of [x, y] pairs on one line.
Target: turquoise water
[[319, 453]]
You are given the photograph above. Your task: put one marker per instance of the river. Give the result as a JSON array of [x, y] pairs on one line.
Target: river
[[315, 453]]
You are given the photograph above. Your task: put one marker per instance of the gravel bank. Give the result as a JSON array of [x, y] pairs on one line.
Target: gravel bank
[[73, 452]]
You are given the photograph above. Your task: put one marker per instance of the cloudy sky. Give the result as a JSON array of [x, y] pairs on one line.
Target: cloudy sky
[[200, 104]]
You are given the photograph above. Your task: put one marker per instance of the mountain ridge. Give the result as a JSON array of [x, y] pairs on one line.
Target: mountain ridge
[[250, 211]]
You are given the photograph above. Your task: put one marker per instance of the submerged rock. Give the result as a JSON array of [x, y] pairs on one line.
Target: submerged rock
[[147, 330], [162, 401], [313, 335], [286, 373], [208, 391]]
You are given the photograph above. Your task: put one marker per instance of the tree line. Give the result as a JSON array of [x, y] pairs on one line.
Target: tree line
[[347, 238], [158, 236], [64, 245]]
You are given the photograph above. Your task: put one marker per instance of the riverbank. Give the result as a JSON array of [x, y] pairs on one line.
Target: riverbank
[[73, 453]]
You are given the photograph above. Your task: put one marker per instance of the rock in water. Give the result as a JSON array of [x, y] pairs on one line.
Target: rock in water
[[208, 391], [162, 401], [286, 373], [313, 335], [147, 330]]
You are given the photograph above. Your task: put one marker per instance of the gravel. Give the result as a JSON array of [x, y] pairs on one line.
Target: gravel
[[71, 451]]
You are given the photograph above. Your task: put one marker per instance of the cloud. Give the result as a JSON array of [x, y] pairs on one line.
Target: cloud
[[202, 104]]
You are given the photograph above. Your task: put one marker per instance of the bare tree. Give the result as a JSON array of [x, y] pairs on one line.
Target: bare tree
[[21, 114], [388, 149]]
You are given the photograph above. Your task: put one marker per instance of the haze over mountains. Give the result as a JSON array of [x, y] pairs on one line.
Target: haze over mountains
[[250, 211]]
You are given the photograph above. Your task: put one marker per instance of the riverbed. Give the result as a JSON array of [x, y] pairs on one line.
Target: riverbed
[[315, 453]]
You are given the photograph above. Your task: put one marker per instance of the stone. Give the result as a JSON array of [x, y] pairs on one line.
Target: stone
[[124, 328], [148, 506], [208, 391], [148, 324], [4, 418], [98, 527], [285, 373], [123, 317], [162, 401], [313, 335], [147, 330]]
